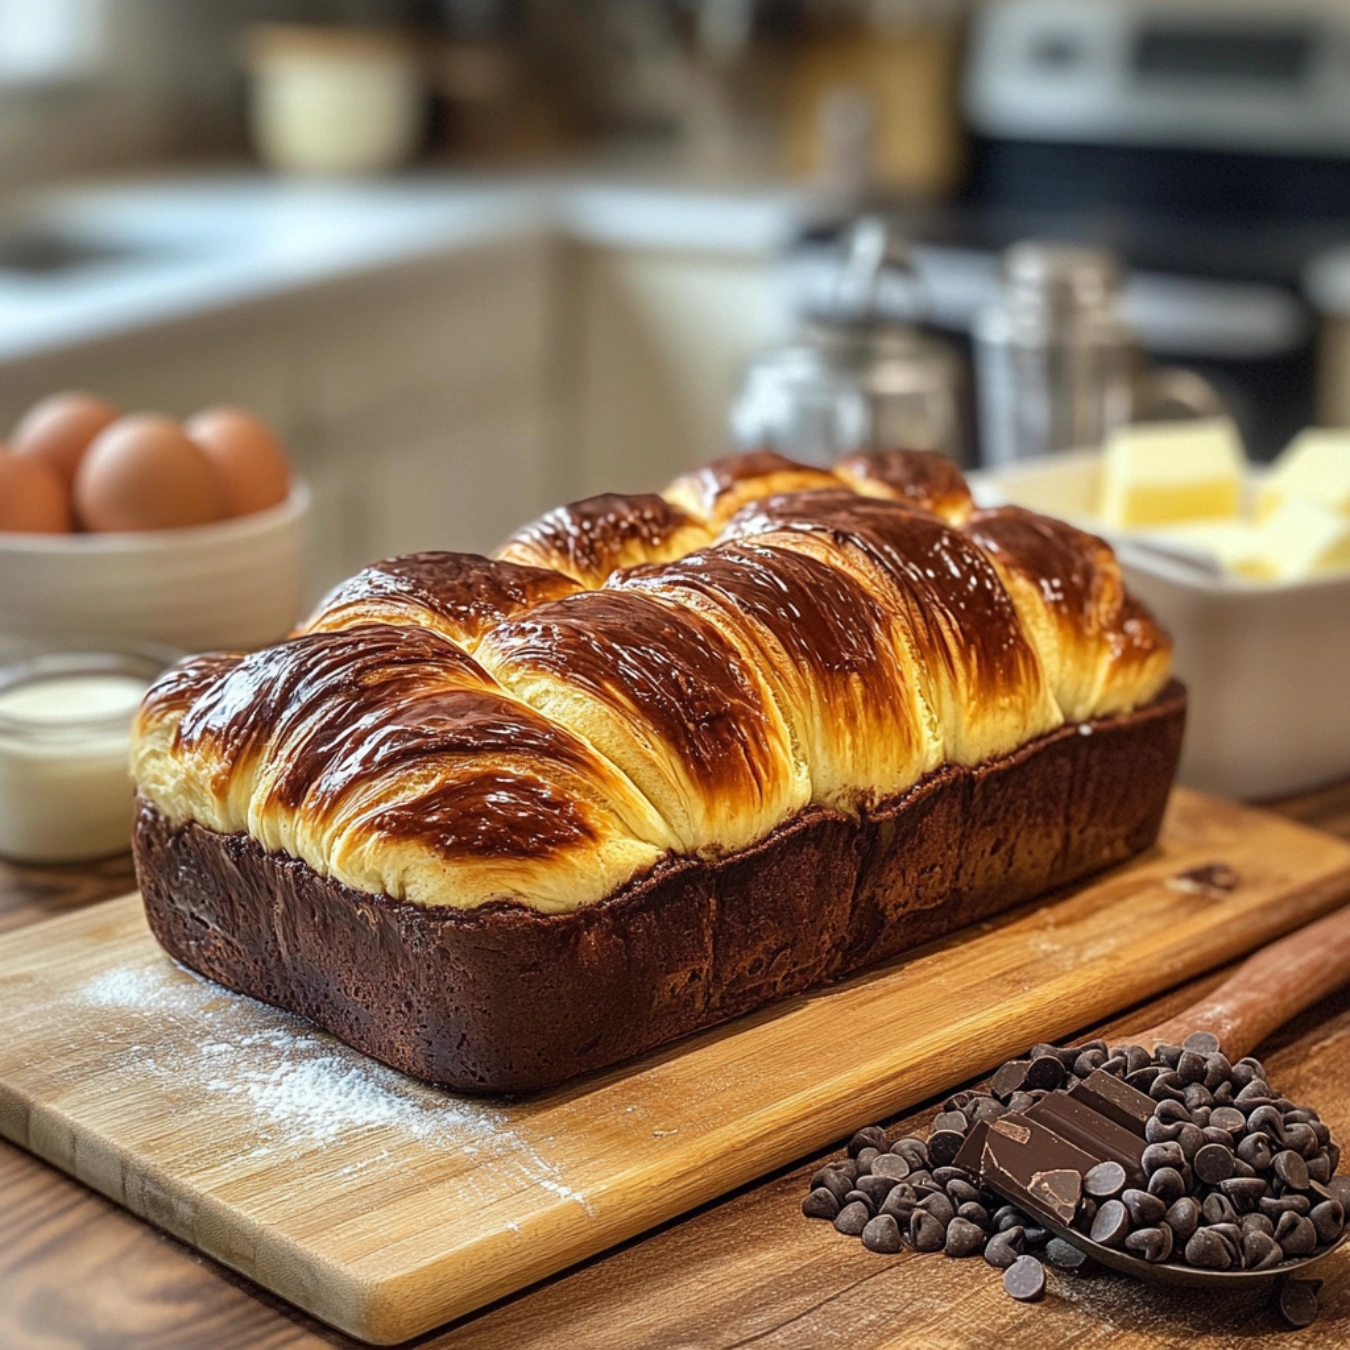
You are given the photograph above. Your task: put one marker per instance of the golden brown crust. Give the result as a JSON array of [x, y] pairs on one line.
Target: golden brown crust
[[453, 730]]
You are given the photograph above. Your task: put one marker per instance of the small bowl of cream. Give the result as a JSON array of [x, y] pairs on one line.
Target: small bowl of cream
[[65, 739]]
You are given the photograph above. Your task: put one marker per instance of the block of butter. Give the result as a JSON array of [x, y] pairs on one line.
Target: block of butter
[[1314, 466], [1160, 472], [1303, 539], [1236, 546]]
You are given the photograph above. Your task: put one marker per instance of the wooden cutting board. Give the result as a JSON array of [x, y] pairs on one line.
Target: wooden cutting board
[[386, 1207]]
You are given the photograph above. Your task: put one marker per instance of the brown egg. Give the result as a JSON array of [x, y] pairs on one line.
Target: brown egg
[[143, 473], [59, 430], [33, 500], [248, 457]]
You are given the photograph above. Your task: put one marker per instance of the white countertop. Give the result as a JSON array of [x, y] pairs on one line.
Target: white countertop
[[202, 243]]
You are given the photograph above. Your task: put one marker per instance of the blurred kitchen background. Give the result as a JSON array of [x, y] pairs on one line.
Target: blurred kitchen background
[[474, 257]]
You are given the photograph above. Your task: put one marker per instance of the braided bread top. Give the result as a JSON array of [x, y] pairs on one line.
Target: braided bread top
[[635, 677]]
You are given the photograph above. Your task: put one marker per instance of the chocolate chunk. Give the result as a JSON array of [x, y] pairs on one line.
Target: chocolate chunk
[[963, 1238], [951, 1120], [870, 1136], [1296, 1235], [1030, 1165], [1104, 1181], [1329, 1219], [1095, 1134], [853, 1218], [821, 1204], [1111, 1224], [1004, 1248], [890, 1165], [1064, 1255], [1213, 1163], [1009, 1078], [1117, 1101], [925, 1232], [1144, 1209], [1024, 1280], [1290, 1168], [882, 1234], [1208, 1250], [1298, 1302], [1183, 1217], [1167, 1184], [1153, 1244]]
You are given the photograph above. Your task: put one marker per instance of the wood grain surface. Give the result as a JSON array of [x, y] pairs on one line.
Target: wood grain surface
[[75, 1271]]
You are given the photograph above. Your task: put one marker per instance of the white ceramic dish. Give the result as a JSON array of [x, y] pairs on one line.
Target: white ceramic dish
[[1268, 666], [238, 584]]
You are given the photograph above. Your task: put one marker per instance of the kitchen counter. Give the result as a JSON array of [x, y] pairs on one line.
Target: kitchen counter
[[152, 251], [77, 1271]]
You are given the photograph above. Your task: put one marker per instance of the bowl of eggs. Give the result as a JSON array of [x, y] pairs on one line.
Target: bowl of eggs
[[138, 526]]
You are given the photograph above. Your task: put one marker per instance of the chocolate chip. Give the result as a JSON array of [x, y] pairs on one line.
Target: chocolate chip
[[939, 1207], [1153, 1244], [1167, 1054], [974, 1212], [962, 1192], [1244, 1192], [963, 1238], [927, 1233], [1035, 1236], [913, 1151], [1328, 1218], [1258, 1248], [1202, 1042], [1217, 1208], [1300, 1139], [952, 1120], [1009, 1078], [1116, 1065], [944, 1145], [1167, 1184], [1024, 1280], [1319, 1168], [1105, 1180], [1167, 1087], [1208, 1250], [1045, 1072], [944, 1176], [865, 1159], [1111, 1224], [835, 1180], [1255, 1151], [986, 1108], [1296, 1235], [1292, 1203], [1223, 1094], [876, 1189], [1290, 1168], [1162, 1155], [1254, 1094], [1257, 1223], [890, 1165], [1213, 1163], [900, 1202], [1020, 1102], [1268, 1121], [853, 1218], [1064, 1255], [1183, 1217], [1144, 1209], [1157, 1131], [1217, 1070], [1004, 1248], [1009, 1216], [1191, 1139], [821, 1204], [870, 1136], [1298, 1302], [1192, 1067], [1196, 1095], [858, 1197], [1087, 1061], [882, 1234], [958, 1101]]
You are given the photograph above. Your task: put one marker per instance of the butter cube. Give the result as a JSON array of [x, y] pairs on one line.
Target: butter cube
[[1314, 466], [1160, 472], [1302, 539], [1236, 546]]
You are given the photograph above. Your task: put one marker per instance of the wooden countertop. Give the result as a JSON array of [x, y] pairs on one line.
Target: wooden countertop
[[76, 1271]]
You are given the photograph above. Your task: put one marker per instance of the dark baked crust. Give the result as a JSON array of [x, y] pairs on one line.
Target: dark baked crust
[[504, 998]]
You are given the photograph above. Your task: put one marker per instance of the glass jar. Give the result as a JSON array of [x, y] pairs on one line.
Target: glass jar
[[66, 711]]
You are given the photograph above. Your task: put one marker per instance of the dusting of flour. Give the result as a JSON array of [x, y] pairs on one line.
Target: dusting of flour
[[285, 1087]]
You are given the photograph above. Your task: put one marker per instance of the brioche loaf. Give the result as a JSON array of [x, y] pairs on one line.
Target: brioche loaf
[[498, 822]]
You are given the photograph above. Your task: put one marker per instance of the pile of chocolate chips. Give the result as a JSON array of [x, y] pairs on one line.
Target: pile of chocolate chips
[[1173, 1156]]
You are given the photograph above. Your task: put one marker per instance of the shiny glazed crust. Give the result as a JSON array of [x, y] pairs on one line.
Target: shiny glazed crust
[[503, 998]]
